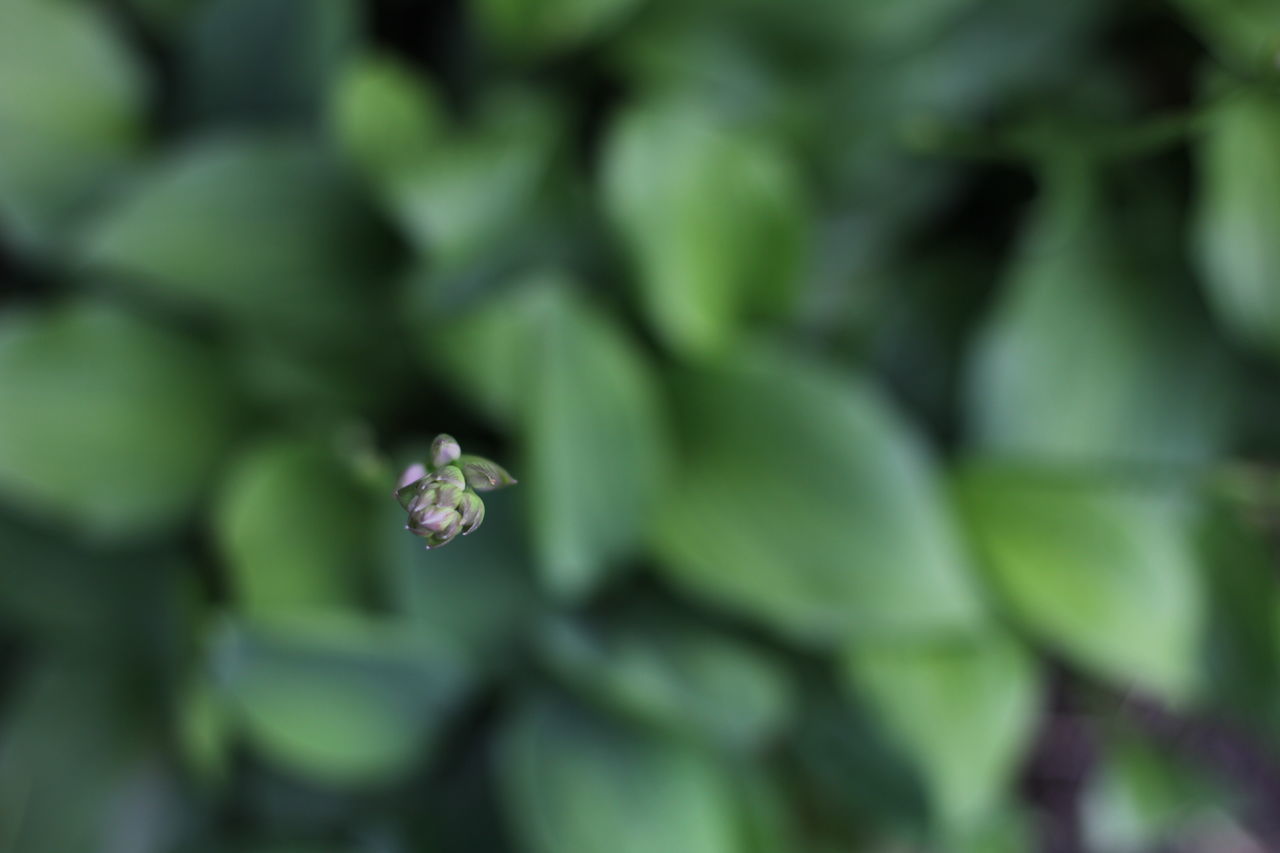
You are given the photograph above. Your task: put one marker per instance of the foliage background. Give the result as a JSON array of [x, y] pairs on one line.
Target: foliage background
[[892, 388]]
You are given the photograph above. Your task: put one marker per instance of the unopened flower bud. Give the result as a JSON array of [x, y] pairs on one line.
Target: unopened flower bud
[[442, 501], [484, 475], [472, 510], [444, 450]]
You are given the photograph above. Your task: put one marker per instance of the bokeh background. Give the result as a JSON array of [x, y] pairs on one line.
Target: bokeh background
[[892, 387]]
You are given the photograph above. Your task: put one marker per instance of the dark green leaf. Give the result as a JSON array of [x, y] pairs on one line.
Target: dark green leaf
[[577, 784], [339, 701], [1130, 378]]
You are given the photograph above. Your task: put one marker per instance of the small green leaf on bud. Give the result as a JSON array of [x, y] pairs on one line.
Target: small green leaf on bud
[[444, 450], [484, 475]]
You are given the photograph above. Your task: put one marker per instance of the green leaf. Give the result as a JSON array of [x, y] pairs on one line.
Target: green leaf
[[676, 674], [525, 27], [294, 527], [1242, 30], [964, 709], [454, 189], [596, 446], [1243, 666], [77, 756], [265, 233], [714, 220], [804, 502], [57, 593], [384, 116], [1141, 798], [264, 61], [473, 599], [1238, 218], [70, 112], [573, 783], [1134, 379], [587, 402], [1103, 570], [108, 425], [341, 702]]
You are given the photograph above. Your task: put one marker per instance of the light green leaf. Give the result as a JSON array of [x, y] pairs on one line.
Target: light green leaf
[[804, 502], [964, 708], [573, 783], [294, 527], [542, 26], [108, 425], [1102, 570], [345, 702], [71, 106], [270, 62], [1238, 220], [262, 232], [676, 674], [1128, 378], [714, 220], [384, 116]]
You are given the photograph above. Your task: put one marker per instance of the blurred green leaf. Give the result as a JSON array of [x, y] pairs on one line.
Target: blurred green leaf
[[77, 770], [1103, 570], [70, 112], [576, 784], [676, 674], [1244, 618], [713, 217], [595, 438], [339, 701], [963, 708], [1238, 221], [294, 527], [1140, 798], [454, 189], [1087, 358], [264, 232], [805, 502], [1247, 30], [385, 116], [122, 604], [542, 26], [595, 442], [109, 425], [264, 61], [473, 599]]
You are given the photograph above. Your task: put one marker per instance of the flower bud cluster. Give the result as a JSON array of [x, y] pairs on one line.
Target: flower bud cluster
[[442, 500]]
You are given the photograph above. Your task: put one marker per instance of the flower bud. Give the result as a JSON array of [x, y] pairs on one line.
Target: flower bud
[[484, 475], [444, 450], [442, 500], [472, 510]]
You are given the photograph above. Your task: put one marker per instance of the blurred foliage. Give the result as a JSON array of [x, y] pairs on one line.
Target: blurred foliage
[[890, 385]]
